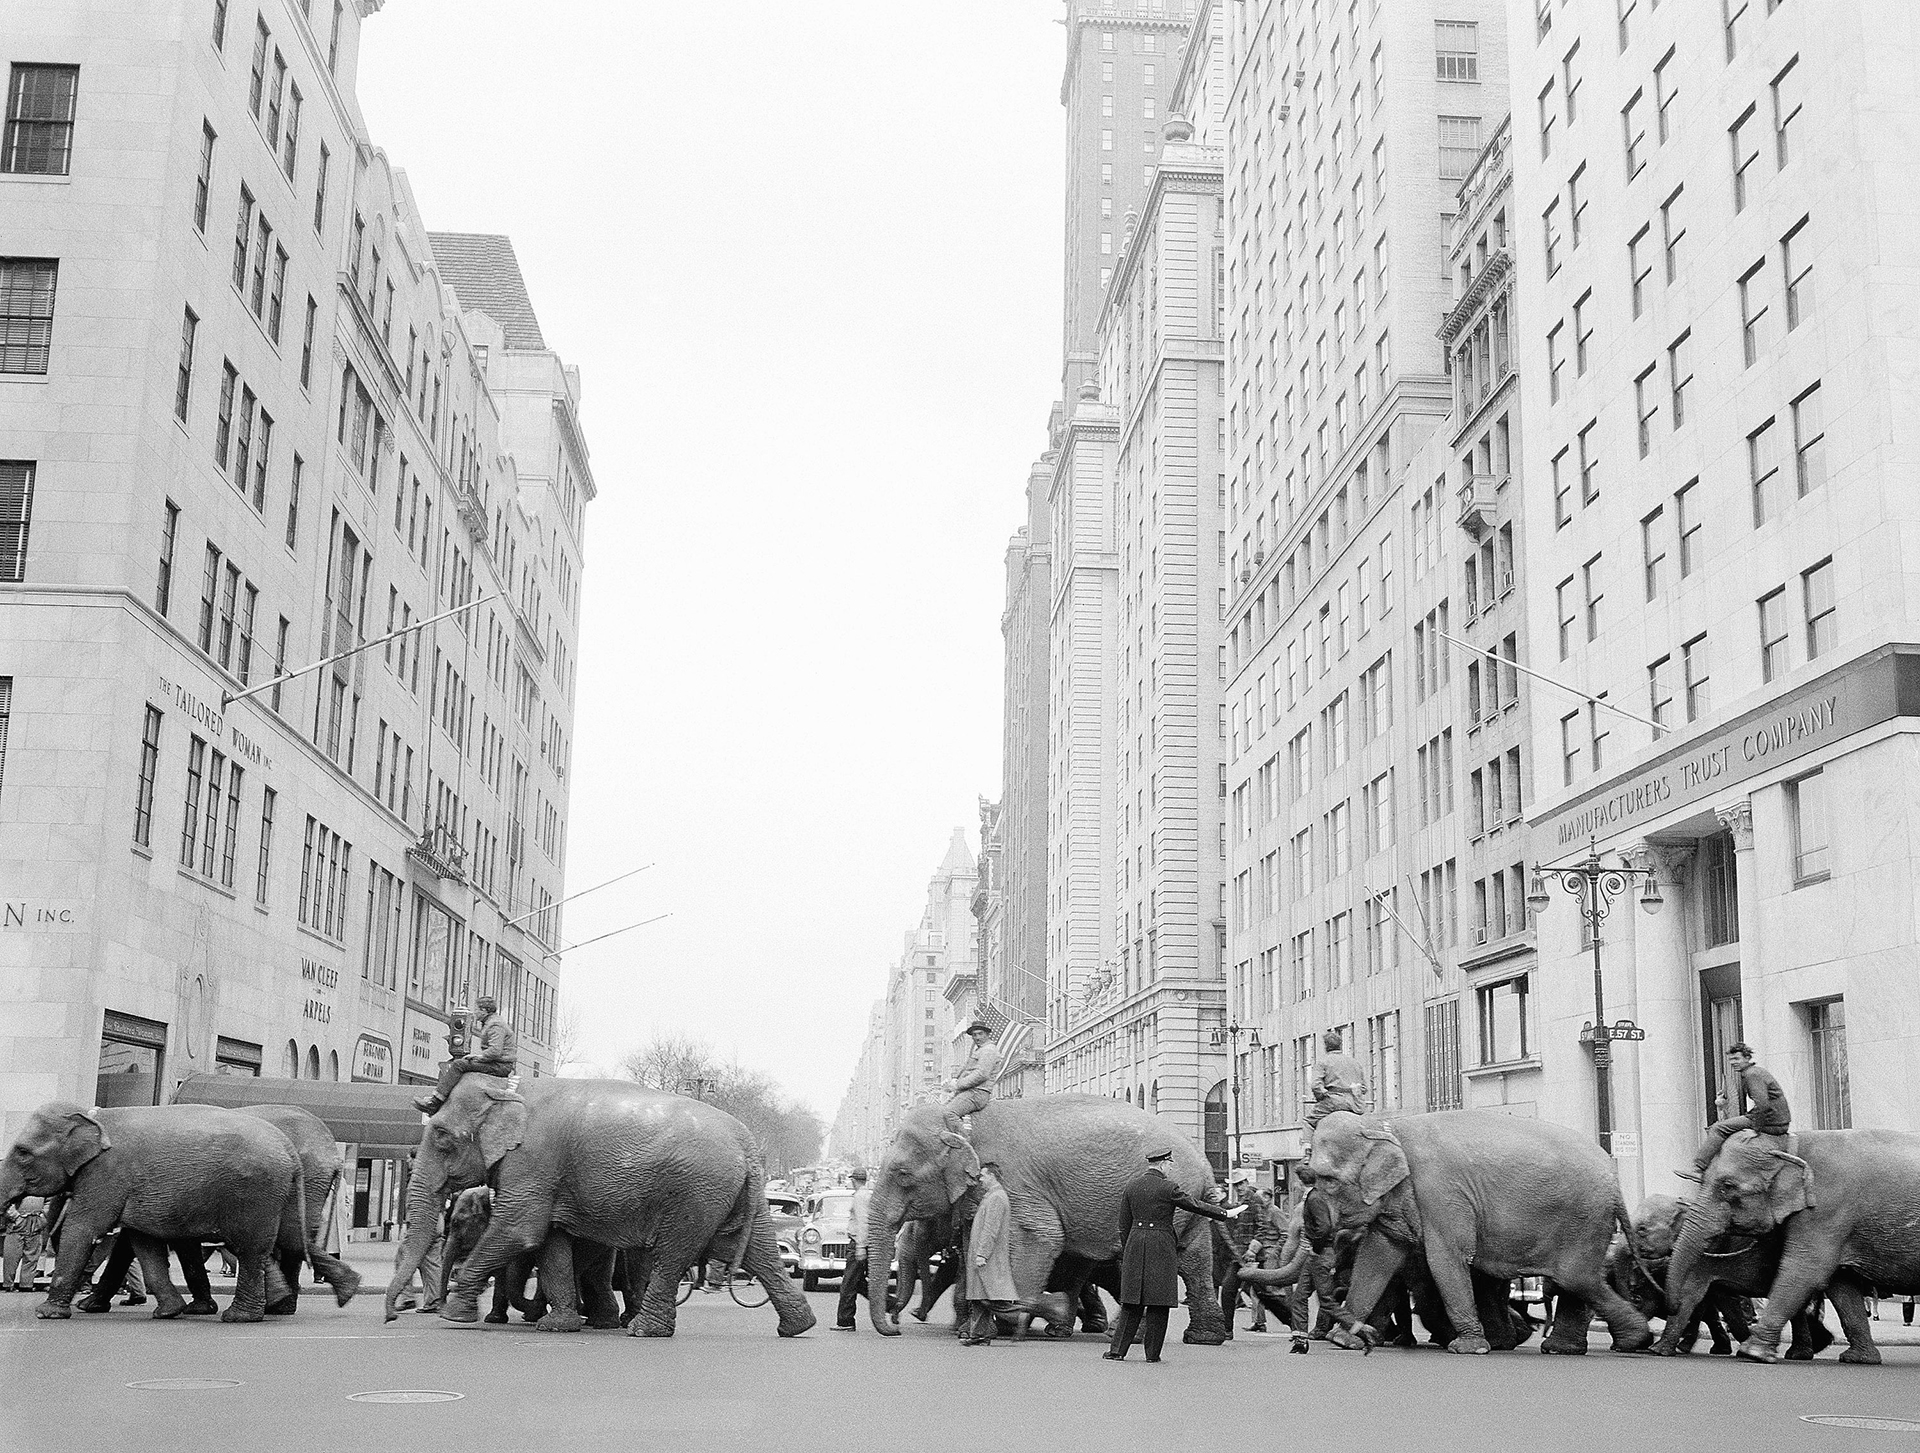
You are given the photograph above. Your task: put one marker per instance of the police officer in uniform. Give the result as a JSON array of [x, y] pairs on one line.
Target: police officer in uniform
[[1150, 1254]]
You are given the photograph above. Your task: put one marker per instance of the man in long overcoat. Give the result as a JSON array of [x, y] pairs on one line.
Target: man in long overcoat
[[989, 1283], [1150, 1255]]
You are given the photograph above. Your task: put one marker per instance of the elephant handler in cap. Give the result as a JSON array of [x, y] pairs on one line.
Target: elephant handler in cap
[[1150, 1255], [498, 1055], [973, 1086], [1761, 1103]]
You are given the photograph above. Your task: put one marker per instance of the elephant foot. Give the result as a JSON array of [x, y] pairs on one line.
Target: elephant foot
[[1407, 1340], [460, 1309], [1722, 1349], [285, 1307], [166, 1311], [558, 1321], [201, 1307], [1204, 1337], [642, 1327], [800, 1319], [1637, 1340], [51, 1311], [91, 1303], [1868, 1356], [918, 1315], [1754, 1350], [1799, 1352], [499, 1318], [346, 1286], [235, 1314], [1551, 1348], [604, 1322], [1469, 1346]]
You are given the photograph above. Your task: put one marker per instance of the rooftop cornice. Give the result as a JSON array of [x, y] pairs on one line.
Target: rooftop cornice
[[1199, 171], [1498, 269]]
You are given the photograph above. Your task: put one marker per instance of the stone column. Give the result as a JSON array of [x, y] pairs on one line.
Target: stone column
[[1738, 820], [1666, 1065]]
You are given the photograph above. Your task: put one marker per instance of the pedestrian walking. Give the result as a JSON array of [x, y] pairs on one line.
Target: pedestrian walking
[[25, 1240], [1249, 1242], [1337, 1082], [853, 1280], [1150, 1255], [990, 1291], [1314, 1231], [1760, 1105]]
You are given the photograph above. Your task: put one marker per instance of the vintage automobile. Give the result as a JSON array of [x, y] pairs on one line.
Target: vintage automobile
[[823, 1237], [784, 1210]]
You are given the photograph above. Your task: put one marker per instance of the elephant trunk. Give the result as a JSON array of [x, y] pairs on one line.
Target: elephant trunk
[[423, 1226], [1687, 1274], [12, 1186], [885, 1215]]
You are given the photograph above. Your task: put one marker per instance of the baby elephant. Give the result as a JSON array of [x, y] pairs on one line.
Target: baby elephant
[[466, 1224]]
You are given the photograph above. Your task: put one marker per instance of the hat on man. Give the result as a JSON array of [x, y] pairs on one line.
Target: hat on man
[[1238, 1177], [859, 1175], [486, 1004], [1155, 1156], [981, 1025]]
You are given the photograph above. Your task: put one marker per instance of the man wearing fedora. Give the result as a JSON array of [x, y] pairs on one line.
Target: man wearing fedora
[[1150, 1254], [973, 1086]]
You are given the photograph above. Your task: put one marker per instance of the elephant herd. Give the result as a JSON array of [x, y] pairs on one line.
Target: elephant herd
[[591, 1182]]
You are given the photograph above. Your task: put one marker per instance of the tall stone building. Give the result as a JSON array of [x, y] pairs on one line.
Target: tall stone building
[[1713, 265], [252, 415], [1139, 489], [1350, 130]]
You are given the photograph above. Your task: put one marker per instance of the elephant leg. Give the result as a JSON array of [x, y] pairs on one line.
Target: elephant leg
[[1713, 1320], [501, 1244], [344, 1280], [1448, 1267], [69, 1264], [250, 1286], [1375, 1265], [941, 1282], [1848, 1301], [153, 1267], [193, 1270], [760, 1259], [1492, 1300], [1795, 1284], [1588, 1285], [1031, 1252], [660, 1303], [593, 1267], [1206, 1327], [283, 1291], [560, 1282], [1686, 1304], [1093, 1311], [110, 1274]]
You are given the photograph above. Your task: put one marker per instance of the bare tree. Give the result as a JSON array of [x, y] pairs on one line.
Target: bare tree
[[789, 1133], [566, 1039]]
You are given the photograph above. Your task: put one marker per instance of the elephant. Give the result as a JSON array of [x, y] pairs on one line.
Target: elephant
[[670, 1179], [1411, 1293], [1841, 1203], [1476, 1190], [919, 1246], [168, 1173], [466, 1224], [1064, 1160], [320, 1169]]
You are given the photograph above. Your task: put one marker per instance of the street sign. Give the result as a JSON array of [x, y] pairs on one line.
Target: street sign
[[1628, 1030]]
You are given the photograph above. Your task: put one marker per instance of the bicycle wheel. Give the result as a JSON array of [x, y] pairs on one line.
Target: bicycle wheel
[[688, 1281], [747, 1292]]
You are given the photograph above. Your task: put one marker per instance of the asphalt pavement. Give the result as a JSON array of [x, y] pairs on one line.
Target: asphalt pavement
[[725, 1381]]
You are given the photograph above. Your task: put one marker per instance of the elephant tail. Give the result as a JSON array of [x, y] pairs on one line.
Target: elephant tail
[[1625, 1223], [344, 1280], [729, 1241]]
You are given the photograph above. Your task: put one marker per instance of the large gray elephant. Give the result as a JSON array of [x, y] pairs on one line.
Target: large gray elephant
[[1479, 1191], [320, 1169], [167, 1173], [1065, 1161], [671, 1180], [1843, 1201]]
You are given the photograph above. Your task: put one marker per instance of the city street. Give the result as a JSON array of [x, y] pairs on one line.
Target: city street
[[725, 1381]]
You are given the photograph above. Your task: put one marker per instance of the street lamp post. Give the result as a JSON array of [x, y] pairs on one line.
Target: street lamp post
[[1229, 1035], [1595, 885]]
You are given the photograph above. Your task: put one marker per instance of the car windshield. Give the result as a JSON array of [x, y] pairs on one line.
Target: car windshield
[[833, 1209]]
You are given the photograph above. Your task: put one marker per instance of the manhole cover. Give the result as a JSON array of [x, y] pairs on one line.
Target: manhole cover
[[405, 1395], [184, 1384], [1878, 1425]]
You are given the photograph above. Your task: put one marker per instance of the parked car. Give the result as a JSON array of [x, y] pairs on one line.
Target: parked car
[[785, 1211], [823, 1237]]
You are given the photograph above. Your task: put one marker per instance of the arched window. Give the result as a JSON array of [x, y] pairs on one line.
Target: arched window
[[1216, 1128], [333, 1064], [291, 1068], [313, 1061]]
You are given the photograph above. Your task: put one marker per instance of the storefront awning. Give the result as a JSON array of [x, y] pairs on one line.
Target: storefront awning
[[379, 1119]]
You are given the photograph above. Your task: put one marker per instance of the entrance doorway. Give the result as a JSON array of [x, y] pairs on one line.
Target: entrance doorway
[[1719, 1031]]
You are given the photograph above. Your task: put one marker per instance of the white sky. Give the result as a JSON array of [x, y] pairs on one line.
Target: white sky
[[807, 257]]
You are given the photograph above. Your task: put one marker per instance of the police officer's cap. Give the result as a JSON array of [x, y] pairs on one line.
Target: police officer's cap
[[1155, 1156]]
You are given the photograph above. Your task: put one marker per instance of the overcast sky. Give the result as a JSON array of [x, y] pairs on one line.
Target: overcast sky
[[807, 258]]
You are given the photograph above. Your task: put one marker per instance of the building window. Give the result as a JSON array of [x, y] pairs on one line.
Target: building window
[[1773, 633], [1816, 592], [1459, 145], [1589, 466], [1672, 229], [1640, 266], [1743, 135], [183, 375], [1680, 374], [203, 183], [1645, 407], [1653, 549], [190, 820], [320, 188], [1660, 691], [1809, 820], [1457, 50], [26, 313], [1503, 1021], [306, 343], [1550, 230], [219, 24], [133, 1055], [1554, 360], [1763, 471], [1753, 310], [1786, 109], [16, 517], [1569, 747], [40, 104], [1694, 667], [1563, 609], [1809, 442], [1634, 122], [1442, 1033], [1796, 267], [1590, 584], [1687, 523], [1832, 1098], [149, 768], [163, 587], [1719, 891]]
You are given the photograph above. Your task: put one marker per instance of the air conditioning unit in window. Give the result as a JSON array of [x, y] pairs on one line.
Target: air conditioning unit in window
[[1506, 581], [1480, 934]]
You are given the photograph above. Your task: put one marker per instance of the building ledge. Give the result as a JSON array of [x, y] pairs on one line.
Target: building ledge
[[1506, 1067], [1498, 950]]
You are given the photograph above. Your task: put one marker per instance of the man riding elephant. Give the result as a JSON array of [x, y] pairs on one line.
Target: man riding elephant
[[973, 1085], [1338, 1082], [498, 1055]]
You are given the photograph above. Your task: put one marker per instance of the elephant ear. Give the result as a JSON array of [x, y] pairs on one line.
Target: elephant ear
[[958, 1167], [84, 1138], [503, 1124], [1386, 1164], [1789, 1187]]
